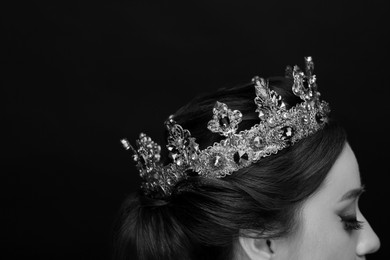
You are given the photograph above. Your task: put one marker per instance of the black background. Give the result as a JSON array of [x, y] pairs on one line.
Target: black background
[[78, 76]]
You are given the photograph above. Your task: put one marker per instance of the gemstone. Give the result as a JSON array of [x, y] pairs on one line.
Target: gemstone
[[180, 142], [192, 147], [238, 159], [179, 162], [217, 161], [309, 95], [213, 126], [295, 89], [320, 118], [237, 117], [194, 156], [287, 132], [173, 152], [261, 115], [142, 160], [257, 142], [224, 121], [304, 119]]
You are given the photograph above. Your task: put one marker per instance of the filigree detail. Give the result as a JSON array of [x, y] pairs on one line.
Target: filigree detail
[[225, 121], [183, 149]]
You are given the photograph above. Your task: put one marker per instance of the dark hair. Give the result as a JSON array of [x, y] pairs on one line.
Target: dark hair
[[203, 217]]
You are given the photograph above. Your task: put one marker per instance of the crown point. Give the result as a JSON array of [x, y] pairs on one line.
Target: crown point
[[170, 122], [255, 79], [125, 143], [224, 121]]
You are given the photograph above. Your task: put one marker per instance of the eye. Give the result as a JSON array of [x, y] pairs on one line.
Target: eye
[[351, 223]]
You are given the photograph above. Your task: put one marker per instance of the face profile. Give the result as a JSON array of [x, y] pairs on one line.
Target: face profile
[[331, 224]]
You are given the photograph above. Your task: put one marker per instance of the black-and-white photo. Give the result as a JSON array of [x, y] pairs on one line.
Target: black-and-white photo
[[215, 130]]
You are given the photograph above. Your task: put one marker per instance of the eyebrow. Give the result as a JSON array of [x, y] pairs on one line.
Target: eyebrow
[[353, 194]]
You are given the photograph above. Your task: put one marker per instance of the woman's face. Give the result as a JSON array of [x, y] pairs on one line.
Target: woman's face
[[332, 226]]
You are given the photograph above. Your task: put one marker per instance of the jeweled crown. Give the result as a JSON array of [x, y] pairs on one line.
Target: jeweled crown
[[277, 129]]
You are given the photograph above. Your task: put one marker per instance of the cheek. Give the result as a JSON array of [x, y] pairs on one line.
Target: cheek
[[326, 240]]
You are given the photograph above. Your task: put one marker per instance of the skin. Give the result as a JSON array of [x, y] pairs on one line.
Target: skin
[[322, 234]]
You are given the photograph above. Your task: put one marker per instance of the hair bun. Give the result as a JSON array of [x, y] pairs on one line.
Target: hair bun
[[147, 201]]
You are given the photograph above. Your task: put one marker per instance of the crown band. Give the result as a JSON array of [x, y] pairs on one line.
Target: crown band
[[278, 128]]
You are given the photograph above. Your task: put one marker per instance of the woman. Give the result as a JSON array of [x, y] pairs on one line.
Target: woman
[[270, 176]]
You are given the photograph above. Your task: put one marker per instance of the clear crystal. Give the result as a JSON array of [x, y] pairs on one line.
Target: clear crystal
[[224, 122]]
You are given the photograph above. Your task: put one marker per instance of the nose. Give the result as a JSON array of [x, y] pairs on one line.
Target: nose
[[368, 241]]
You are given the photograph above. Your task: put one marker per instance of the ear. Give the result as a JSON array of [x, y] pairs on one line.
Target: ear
[[256, 248]]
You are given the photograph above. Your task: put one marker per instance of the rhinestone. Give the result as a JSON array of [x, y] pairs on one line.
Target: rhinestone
[[257, 142], [217, 161], [261, 115], [224, 121], [287, 132], [142, 160], [320, 118], [179, 162], [213, 126], [304, 119], [238, 159], [173, 152]]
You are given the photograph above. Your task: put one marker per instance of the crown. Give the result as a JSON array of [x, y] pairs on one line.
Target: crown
[[277, 129]]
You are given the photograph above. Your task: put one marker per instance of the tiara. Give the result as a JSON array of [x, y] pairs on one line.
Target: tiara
[[277, 129]]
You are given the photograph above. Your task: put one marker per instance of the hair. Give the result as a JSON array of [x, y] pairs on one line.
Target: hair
[[203, 218]]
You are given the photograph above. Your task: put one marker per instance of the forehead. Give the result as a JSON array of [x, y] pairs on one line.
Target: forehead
[[342, 177], [344, 174]]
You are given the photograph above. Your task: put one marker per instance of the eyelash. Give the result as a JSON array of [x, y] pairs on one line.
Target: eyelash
[[351, 223]]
